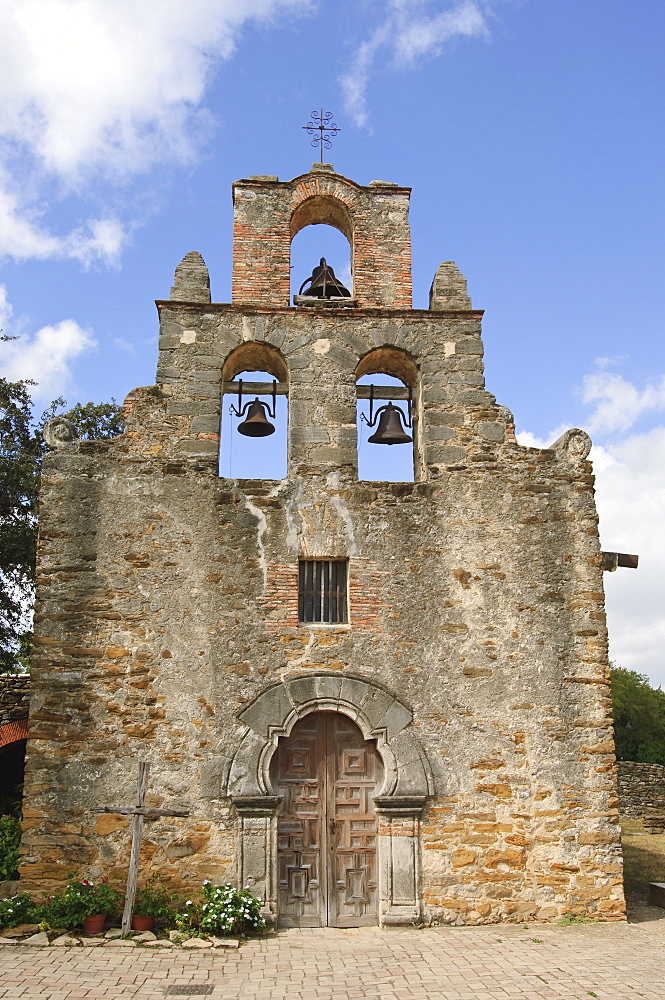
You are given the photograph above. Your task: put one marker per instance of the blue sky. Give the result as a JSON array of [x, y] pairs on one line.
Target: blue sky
[[530, 132]]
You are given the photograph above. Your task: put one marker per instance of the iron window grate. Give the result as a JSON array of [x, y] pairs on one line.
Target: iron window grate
[[322, 591]]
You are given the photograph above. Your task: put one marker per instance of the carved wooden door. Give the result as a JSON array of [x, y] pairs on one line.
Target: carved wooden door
[[327, 775]]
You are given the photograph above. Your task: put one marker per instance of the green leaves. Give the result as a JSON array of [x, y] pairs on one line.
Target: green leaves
[[82, 898], [22, 448], [638, 711], [20, 455], [224, 910], [10, 838]]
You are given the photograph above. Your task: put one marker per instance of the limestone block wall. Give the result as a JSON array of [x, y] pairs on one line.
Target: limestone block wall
[[14, 697], [167, 596], [642, 793], [167, 617]]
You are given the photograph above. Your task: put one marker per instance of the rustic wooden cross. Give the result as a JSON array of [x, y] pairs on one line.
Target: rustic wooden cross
[[137, 812]]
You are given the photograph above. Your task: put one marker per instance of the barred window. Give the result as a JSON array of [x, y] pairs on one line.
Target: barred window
[[322, 591]]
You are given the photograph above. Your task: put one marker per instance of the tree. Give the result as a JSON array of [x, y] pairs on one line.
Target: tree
[[20, 455], [638, 711], [93, 420], [21, 451]]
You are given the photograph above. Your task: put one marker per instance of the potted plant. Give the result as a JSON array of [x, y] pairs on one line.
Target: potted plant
[[84, 903], [153, 902]]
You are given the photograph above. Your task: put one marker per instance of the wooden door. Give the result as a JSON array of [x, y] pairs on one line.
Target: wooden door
[[327, 775]]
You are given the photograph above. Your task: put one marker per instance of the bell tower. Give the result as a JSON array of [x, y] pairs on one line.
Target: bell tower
[[268, 214], [373, 702]]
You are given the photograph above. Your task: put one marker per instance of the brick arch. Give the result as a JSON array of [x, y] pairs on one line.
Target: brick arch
[[323, 210], [13, 732]]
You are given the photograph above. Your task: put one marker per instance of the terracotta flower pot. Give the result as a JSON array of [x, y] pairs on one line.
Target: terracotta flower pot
[[94, 924], [142, 923]]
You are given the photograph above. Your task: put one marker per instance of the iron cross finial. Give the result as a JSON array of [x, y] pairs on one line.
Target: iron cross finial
[[321, 122]]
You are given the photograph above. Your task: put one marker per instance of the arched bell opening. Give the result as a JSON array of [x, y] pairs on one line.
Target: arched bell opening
[[327, 774], [321, 227], [254, 424], [386, 416]]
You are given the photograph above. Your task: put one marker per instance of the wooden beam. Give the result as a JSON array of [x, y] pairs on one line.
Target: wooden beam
[[383, 392], [611, 560], [137, 828], [282, 389], [255, 388]]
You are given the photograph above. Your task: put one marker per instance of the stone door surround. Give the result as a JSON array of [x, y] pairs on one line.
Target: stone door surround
[[406, 786]]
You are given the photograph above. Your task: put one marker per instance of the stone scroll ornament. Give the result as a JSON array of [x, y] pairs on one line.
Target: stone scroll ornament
[[59, 432], [574, 445]]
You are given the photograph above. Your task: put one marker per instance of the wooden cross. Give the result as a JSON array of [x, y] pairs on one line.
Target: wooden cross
[[137, 812]]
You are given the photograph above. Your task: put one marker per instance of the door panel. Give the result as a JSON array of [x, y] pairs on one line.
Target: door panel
[[327, 775], [354, 780], [299, 826]]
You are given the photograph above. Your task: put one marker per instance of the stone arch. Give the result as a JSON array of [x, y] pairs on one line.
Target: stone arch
[[407, 783], [255, 356], [399, 364], [379, 714], [389, 361], [267, 458]]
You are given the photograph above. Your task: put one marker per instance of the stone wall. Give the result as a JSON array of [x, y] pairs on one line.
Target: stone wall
[[642, 793], [475, 652], [14, 697]]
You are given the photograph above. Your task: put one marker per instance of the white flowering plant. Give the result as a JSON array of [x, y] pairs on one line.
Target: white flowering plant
[[18, 909], [223, 910]]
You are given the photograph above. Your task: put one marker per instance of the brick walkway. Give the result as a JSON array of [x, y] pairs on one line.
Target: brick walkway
[[610, 961]]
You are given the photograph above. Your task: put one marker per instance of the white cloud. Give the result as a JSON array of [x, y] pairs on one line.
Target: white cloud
[[619, 403], [529, 440], [630, 489], [102, 89], [124, 345], [409, 32], [45, 356], [22, 236]]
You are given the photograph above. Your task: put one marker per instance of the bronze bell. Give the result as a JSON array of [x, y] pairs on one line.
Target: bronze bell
[[390, 430], [324, 284], [256, 424]]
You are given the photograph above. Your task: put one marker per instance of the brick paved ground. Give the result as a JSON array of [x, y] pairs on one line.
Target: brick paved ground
[[611, 961]]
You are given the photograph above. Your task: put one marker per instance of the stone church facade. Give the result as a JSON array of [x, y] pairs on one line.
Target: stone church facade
[[377, 702]]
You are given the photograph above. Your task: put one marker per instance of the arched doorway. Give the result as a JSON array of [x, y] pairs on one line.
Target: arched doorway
[[327, 774]]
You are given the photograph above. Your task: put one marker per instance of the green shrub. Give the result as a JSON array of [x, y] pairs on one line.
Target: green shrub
[[80, 899], [10, 838], [153, 900], [223, 910], [19, 909]]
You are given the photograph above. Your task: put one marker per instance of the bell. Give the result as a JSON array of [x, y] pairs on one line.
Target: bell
[[324, 284], [390, 430], [256, 424]]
